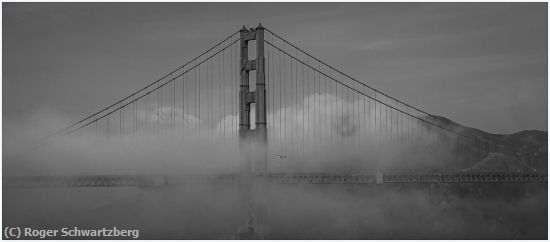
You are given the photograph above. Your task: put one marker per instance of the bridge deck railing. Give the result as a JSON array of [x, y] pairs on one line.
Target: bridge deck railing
[[278, 178]]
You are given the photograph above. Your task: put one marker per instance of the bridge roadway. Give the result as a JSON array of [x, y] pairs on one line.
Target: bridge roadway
[[280, 178]]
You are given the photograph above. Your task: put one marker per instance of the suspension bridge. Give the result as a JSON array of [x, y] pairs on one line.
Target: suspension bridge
[[280, 105]]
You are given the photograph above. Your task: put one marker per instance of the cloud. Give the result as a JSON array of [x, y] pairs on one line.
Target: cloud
[[322, 133]]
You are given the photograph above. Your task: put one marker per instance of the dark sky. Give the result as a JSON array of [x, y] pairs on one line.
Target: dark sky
[[479, 64]]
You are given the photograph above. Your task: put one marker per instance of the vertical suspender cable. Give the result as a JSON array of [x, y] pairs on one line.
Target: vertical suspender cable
[[326, 113], [108, 117], [120, 124], [184, 107], [222, 89], [199, 121], [293, 67], [296, 102], [303, 109], [331, 109], [158, 109]]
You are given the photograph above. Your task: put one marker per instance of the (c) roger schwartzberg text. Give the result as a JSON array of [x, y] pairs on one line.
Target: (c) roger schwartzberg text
[[19, 232]]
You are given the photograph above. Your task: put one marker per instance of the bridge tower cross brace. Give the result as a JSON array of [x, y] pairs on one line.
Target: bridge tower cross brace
[[246, 97]]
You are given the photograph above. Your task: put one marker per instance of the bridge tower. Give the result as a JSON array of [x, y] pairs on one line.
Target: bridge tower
[[252, 143], [247, 97]]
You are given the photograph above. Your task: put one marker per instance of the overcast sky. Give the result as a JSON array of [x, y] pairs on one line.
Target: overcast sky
[[480, 64]]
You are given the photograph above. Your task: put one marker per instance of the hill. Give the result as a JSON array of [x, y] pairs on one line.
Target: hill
[[482, 151]]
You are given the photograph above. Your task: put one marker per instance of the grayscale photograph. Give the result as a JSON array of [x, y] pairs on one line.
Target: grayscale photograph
[[280, 120]]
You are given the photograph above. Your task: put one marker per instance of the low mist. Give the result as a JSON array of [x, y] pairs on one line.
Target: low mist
[[175, 143]]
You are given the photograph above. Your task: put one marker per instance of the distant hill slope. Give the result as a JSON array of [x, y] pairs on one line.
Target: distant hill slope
[[481, 151]]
